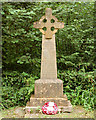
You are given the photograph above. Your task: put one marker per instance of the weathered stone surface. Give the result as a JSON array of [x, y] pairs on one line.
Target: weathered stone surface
[[48, 24], [62, 103], [48, 60], [41, 101], [48, 88], [19, 111], [36, 110]]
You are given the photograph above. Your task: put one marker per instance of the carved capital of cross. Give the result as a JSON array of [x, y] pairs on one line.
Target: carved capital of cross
[[48, 24]]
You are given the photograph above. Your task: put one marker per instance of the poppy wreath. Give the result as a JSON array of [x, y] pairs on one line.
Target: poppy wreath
[[50, 108]]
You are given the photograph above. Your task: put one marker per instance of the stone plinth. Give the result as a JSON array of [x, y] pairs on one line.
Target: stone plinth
[[48, 88], [62, 103], [42, 101]]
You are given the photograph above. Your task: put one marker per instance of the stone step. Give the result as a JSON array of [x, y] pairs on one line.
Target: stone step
[[42, 101], [33, 109]]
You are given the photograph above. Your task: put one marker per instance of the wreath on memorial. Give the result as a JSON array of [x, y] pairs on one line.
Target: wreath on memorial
[[50, 108]]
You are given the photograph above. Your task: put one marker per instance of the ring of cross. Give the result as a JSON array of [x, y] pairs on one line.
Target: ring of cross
[[48, 24]]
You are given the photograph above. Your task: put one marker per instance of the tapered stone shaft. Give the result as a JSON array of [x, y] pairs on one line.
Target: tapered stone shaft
[[48, 61]]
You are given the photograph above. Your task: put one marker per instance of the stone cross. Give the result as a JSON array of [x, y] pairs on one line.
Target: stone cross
[[48, 22], [49, 87], [48, 25]]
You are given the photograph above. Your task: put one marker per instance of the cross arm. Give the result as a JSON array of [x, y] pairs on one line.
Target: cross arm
[[59, 25], [38, 25]]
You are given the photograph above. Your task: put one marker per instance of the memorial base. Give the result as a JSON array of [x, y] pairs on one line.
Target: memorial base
[[48, 90], [36, 103]]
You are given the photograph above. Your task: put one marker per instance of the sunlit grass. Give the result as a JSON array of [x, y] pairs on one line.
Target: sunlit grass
[[78, 112]]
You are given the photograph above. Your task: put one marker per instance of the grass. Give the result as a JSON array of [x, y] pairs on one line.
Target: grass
[[78, 112]]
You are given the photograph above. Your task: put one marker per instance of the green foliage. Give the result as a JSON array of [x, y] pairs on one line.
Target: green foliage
[[22, 51], [79, 85], [17, 88]]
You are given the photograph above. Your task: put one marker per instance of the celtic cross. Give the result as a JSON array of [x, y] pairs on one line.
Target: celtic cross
[[49, 87], [48, 24]]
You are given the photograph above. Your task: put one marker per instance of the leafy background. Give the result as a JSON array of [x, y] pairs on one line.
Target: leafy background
[[21, 47]]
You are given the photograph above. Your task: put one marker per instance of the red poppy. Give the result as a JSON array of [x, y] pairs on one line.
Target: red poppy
[[50, 108]]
